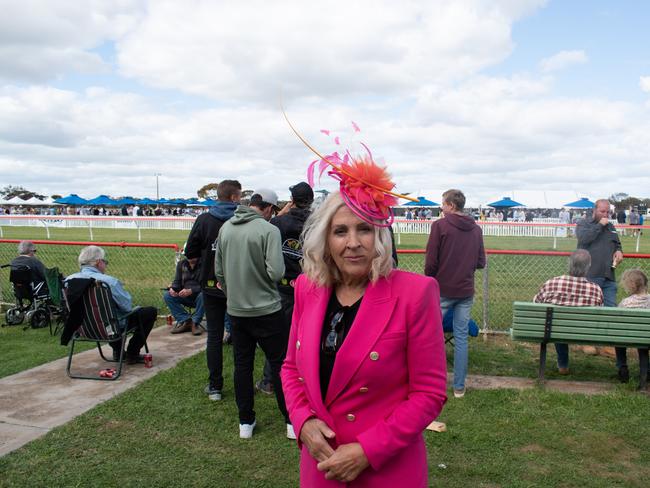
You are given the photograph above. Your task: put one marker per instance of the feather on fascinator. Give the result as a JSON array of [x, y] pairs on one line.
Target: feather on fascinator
[[366, 187]]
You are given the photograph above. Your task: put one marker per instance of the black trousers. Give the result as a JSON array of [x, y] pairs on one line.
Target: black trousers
[[287, 299], [247, 332], [144, 316], [215, 311]]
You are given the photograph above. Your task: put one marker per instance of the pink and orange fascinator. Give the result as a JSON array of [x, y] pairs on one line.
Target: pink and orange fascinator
[[366, 187]]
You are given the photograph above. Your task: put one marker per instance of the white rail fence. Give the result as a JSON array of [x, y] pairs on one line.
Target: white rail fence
[[547, 227], [96, 222]]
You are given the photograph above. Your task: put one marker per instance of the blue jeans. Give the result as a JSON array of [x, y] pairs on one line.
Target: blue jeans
[[462, 308], [562, 354], [609, 294], [227, 323], [177, 307]]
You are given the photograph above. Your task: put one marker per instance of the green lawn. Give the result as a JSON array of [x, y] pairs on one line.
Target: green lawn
[[23, 349], [166, 433], [407, 241]]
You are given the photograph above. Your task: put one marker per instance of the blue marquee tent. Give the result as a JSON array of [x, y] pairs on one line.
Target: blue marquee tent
[[101, 200], [582, 203], [505, 202], [72, 199], [126, 201], [422, 202]]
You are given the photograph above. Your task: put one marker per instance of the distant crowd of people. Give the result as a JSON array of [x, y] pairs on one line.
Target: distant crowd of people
[[125, 210]]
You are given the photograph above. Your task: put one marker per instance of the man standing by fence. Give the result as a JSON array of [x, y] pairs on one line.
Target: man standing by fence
[[454, 252], [200, 244], [596, 235]]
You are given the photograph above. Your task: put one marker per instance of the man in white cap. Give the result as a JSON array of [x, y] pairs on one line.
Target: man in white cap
[[248, 267]]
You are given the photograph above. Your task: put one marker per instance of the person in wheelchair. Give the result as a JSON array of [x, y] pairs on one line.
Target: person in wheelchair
[[27, 259], [93, 263], [28, 278]]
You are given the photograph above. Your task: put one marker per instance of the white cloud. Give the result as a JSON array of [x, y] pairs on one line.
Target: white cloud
[[562, 60], [217, 50], [44, 39], [644, 83], [488, 136]]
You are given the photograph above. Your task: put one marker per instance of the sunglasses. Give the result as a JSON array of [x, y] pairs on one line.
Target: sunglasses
[[331, 343]]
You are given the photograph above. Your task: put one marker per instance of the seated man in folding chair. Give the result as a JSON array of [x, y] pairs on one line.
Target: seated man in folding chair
[[93, 263]]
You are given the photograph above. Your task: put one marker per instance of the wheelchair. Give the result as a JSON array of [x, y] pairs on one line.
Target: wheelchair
[[36, 303]]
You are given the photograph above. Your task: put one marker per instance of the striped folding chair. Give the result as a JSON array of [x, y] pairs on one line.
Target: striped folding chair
[[100, 323]]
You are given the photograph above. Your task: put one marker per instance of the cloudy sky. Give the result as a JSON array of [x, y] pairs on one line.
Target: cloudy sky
[[490, 96]]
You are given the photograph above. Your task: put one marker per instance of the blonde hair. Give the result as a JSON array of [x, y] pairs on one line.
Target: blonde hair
[[634, 281], [317, 262]]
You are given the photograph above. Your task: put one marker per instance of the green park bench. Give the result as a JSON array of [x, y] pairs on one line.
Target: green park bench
[[597, 326]]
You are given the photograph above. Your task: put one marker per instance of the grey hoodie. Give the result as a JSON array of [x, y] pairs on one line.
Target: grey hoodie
[[249, 264]]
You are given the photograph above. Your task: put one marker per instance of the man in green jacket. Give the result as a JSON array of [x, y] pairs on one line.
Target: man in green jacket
[[248, 267]]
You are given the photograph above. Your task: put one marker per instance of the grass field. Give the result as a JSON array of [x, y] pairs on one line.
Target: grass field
[[407, 241], [23, 349], [166, 433]]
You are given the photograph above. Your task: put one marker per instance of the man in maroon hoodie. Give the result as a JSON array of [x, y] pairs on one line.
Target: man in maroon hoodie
[[454, 252]]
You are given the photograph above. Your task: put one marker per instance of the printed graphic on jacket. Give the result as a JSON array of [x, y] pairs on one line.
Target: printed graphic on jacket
[[292, 249]]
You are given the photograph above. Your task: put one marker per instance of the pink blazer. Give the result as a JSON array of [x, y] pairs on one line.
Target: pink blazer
[[388, 382]]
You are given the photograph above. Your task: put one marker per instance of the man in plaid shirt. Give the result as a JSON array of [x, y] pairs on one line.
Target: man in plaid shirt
[[572, 290]]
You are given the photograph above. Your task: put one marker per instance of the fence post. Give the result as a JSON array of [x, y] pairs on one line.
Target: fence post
[[486, 296], [47, 228], [554, 237], [638, 238]]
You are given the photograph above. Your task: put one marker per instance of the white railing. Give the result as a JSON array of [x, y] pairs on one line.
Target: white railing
[[546, 228], [537, 228], [96, 222]]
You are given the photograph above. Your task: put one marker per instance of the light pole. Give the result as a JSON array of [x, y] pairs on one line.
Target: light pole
[[157, 187]]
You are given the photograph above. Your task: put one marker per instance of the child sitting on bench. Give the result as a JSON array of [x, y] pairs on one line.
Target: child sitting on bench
[[635, 284]]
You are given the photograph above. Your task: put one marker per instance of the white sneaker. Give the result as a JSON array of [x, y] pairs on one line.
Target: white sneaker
[[246, 430], [290, 433], [459, 393]]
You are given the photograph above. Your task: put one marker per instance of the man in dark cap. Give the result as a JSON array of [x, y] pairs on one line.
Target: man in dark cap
[[290, 220]]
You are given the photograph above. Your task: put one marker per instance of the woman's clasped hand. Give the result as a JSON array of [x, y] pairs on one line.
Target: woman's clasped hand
[[343, 464]]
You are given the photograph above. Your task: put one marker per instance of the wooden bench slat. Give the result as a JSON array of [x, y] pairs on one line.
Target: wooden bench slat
[[541, 314], [585, 325], [613, 311], [531, 336], [631, 335]]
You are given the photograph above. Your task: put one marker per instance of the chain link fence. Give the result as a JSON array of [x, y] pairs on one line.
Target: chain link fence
[[514, 276], [146, 268], [143, 268]]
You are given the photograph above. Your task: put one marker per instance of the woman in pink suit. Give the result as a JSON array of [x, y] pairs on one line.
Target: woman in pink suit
[[365, 370]]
